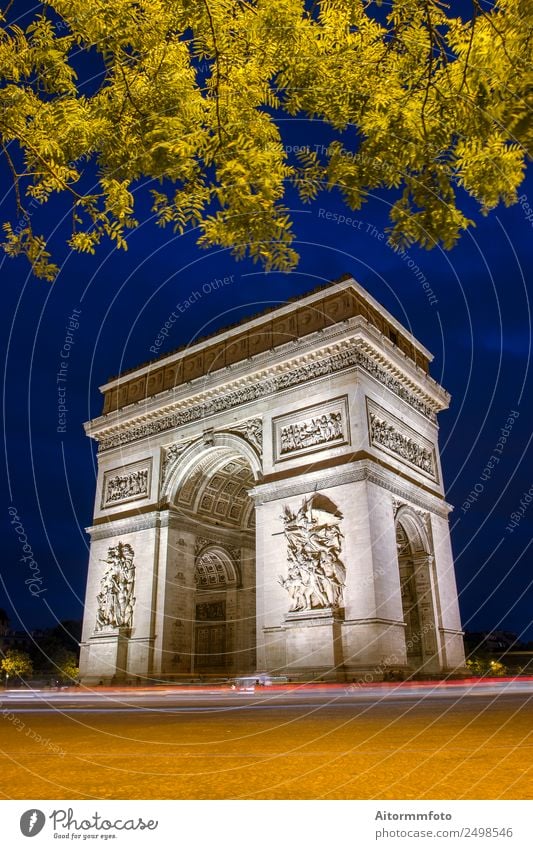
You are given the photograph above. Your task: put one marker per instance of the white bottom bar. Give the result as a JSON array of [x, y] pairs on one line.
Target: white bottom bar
[[268, 824]]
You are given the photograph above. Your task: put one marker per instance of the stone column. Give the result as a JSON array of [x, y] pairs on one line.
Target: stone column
[[450, 632], [271, 600], [245, 626], [373, 631], [174, 605]]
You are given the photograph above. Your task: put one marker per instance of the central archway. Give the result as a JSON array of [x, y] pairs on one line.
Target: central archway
[[210, 502]]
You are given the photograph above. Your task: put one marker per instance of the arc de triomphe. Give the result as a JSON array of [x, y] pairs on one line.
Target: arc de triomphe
[[270, 499]]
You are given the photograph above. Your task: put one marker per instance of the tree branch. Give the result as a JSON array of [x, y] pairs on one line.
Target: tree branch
[[430, 70], [490, 20], [467, 57], [44, 163], [20, 208], [128, 91], [217, 70]]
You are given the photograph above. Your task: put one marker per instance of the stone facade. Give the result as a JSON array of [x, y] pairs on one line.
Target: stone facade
[[277, 506]]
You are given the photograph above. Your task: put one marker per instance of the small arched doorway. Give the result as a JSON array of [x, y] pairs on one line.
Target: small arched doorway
[[416, 586], [216, 587]]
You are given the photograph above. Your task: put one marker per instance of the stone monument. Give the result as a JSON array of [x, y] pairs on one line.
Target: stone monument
[[270, 499]]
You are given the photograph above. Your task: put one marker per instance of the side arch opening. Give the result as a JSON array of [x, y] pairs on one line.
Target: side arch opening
[[415, 562]]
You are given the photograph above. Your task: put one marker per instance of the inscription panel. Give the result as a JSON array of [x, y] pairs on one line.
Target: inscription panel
[[126, 483], [311, 429]]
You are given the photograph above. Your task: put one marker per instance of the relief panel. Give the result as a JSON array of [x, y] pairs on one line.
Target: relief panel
[[311, 429], [389, 434], [315, 573], [126, 483]]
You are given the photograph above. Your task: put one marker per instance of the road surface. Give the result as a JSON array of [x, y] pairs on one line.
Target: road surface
[[455, 741]]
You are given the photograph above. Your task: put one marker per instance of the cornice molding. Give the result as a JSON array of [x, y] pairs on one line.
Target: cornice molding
[[338, 287], [351, 473], [119, 527], [347, 354]]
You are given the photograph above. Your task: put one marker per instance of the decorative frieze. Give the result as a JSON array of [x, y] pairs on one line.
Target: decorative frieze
[[115, 601], [316, 576], [127, 483], [311, 429], [295, 324], [393, 436], [309, 433], [364, 361], [265, 384]]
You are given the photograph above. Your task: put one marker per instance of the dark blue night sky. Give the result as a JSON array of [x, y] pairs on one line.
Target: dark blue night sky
[[479, 329]]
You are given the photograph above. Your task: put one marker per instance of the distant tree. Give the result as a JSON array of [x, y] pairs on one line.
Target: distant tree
[[54, 642], [17, 664], [67, 667], [497, 668], [68, 633], [187, 99], [483, 666]]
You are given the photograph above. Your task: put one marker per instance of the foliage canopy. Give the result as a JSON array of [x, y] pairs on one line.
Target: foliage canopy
[[189, 98]]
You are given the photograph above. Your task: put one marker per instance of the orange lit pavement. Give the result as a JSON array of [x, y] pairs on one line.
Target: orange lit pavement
[[338, 742]]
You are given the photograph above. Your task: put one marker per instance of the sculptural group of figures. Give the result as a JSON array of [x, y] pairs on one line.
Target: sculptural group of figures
[[386, 435], [325, 428], [115, 599], [316, 575], [125, 486]]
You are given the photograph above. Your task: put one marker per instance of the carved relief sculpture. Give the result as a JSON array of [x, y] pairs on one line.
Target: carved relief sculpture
[[200, 543], [120, 487], [252, 430], [423, 515], [115, 599], [211, 611], [385, 434], [316, 575], [171, 453], [315, 431], [322, 426]]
